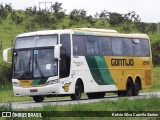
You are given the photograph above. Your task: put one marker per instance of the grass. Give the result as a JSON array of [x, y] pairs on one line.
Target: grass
[[102, 109]]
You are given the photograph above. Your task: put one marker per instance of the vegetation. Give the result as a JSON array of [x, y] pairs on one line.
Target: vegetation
[[100, 108], [13, 22]]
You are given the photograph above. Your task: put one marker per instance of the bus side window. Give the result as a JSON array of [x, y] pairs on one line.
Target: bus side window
[[79, 48], [117, 46], [92, 45], [65, 54], [105, 45], [127, 46], [137, 51]]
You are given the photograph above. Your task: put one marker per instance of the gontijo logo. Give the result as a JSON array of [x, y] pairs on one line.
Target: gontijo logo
[[122, 62]]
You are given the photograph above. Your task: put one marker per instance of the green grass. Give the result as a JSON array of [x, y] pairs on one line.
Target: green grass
[[7, 96], [139, 105]]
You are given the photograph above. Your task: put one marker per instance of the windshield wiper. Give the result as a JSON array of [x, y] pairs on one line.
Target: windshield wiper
[[37, 66]]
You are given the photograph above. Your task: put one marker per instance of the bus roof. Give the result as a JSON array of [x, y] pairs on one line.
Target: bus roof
[[84, 31]]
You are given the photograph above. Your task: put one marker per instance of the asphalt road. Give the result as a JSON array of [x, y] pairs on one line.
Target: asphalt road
[[31, 104]]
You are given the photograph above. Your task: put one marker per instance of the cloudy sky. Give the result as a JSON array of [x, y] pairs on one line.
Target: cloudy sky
[[149, 10]]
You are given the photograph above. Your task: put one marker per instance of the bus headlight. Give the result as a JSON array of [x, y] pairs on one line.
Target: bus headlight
[[52, 82], [16, 84]]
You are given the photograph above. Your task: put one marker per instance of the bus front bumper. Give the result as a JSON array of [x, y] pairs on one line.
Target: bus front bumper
[[53, 89]]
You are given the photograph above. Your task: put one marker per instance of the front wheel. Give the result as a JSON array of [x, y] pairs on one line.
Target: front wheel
[[38, 98], [78, 91]]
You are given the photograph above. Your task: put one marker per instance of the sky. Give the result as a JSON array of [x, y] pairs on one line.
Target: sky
[[148, 10]]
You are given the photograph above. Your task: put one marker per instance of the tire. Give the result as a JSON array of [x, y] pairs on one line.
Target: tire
[[136, 88], [121, 93], [129, 87], [96, 95], [78, 91], [38, 99]]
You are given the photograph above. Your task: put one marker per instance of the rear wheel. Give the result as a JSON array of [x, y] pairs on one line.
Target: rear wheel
[[78, 91], [129, 87], [136, 88], [38, 98]]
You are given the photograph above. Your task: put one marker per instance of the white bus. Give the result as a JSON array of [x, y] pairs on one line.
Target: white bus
[[85, 60]]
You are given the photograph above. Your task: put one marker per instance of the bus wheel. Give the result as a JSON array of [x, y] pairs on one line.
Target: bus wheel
[[121, 93], [38, 98], [136, 88], [129, 87], [78, 91]]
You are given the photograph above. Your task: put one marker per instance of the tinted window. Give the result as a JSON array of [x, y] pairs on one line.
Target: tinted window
[[79, 47], [127, 46], [117, 47], [65, 55], [137, 47], [36, 41], [105, 45], [92, 45], [66, 45], [145, 47]]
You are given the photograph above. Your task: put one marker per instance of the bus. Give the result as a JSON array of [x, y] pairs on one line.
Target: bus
[[82, 60]]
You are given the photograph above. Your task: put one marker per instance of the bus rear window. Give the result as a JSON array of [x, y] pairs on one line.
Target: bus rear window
[[145, 47]]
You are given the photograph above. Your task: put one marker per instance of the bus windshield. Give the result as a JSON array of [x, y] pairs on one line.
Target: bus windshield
[[39, 63], [36, 41], [33, 57]]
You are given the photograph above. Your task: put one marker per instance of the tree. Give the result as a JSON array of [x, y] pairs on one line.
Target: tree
[[3, 12], [142, 27], [58, 10], [31, 10], [115, 18], [78, 15], [153, 27], [16, 18], [44, 18], [132, 16], [156, 55], [104, 14], [74, 14]]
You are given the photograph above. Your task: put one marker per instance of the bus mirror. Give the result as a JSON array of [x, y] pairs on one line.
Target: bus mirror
[[5, 55], [57, 51]]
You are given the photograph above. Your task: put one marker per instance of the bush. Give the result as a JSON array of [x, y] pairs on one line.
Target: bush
[[6, 107], [155, 52], [5, 73]]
